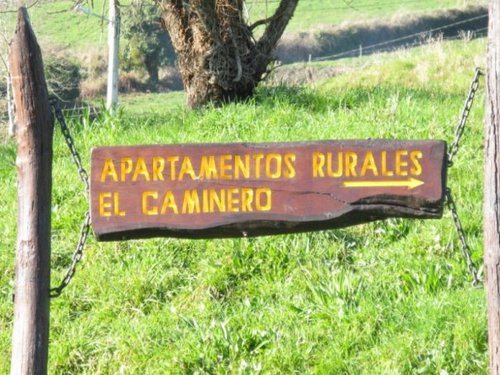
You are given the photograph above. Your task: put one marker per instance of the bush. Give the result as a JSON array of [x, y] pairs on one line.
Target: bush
[[3, 87], [63, 78], [145, 45]]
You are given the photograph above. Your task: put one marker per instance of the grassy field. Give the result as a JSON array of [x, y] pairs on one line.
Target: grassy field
[[313, 14], [56, 24], [386, 297]]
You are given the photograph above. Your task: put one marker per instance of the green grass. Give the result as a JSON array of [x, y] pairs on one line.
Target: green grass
[[57, 25], [385, 297], [312, 14]]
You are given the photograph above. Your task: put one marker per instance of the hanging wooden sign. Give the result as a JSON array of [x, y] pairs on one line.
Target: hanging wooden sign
[[231, 190]]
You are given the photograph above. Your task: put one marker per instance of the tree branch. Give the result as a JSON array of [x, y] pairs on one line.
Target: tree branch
[[261, 22], [276, 26], [26, 6], [174, 20]]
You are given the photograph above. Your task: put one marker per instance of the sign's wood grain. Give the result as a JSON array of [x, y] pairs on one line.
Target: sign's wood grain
[[230, 190]]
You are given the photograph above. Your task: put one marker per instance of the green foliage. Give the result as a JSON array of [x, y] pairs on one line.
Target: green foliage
[[63, 77], [386, 297], [3, 88], [146, 45]]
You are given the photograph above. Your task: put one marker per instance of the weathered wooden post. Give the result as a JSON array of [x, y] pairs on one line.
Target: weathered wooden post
[[492, 186], [10, 108], [34, 165], [113, 45]]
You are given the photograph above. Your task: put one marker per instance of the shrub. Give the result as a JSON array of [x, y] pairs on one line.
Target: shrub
[[145, 45], [63, 78]]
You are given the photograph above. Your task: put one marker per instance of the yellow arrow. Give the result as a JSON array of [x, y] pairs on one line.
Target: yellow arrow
[[410, 183]]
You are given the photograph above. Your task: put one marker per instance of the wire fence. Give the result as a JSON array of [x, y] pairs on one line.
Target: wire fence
[[351, 6], [407, 41], [397, 42], [425, 39], [75, 112]]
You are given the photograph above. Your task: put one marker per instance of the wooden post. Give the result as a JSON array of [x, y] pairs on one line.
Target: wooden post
[[10, 107], [113, 46], [34, 165], [492, 186]]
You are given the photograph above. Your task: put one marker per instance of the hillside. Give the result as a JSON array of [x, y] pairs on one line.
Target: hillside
[[385, 297], [57, 24], [319, 28]]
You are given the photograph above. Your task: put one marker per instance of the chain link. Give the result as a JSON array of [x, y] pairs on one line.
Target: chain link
[[461, 235], [85, 229], [452, 151], [71, 143], [459, 130], [77, 256]]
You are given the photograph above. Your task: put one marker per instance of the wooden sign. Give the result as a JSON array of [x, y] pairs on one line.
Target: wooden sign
[[231, 190]]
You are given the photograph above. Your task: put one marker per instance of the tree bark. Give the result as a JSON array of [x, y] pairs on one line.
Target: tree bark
[[218, 57], [34, 166], [492, 187]]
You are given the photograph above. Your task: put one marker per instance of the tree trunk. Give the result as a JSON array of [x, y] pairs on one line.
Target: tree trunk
[[218, 57], [150, 62]]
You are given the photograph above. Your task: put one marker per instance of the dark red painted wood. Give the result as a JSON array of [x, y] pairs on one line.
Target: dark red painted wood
[[270, 188]]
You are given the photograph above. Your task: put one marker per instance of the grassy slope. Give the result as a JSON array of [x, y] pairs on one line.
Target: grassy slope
[[387, 297], [56, 24], [311, 14]]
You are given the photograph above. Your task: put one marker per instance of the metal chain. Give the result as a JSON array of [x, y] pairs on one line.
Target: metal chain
[[84, 176], [461, 235], [77, 256], [452, 151], [459, 130], [85, 229]]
